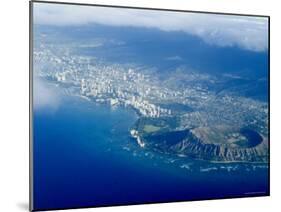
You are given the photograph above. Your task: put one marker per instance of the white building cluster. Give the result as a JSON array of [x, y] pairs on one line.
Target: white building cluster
[[131, 86]]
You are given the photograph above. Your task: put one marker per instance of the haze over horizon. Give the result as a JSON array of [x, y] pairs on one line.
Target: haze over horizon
[[245, 32]]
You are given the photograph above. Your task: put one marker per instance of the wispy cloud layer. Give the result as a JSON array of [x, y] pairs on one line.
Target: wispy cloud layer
[[44, 96], [222, 30]]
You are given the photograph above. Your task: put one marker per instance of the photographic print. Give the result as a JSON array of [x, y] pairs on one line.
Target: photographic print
[[134, 106]]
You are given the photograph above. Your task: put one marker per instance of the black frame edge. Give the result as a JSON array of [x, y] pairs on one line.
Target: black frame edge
[[146, 8], [31, 206]]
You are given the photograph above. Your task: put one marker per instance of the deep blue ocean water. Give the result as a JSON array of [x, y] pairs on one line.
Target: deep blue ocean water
[[85, 157]]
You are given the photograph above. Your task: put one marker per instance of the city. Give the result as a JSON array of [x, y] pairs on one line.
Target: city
[[189, 101]]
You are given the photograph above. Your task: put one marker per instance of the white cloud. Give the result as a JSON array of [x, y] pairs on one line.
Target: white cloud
[[174, 58], [44, 96], [222, 30]]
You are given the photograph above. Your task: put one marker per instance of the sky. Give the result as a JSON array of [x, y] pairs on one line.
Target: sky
[[245, 32]]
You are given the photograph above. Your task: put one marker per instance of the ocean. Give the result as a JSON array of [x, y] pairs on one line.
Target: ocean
[[86, 157]]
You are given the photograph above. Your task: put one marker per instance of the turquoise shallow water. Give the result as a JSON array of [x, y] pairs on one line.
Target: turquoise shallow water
[[84, 156]]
